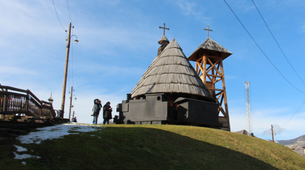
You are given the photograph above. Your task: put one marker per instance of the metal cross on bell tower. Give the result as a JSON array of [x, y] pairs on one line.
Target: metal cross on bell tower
[[208, 30]]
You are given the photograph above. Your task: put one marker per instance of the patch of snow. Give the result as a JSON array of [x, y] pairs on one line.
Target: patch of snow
[[50, 132], [54, 132], [20, 148], [24, 156]]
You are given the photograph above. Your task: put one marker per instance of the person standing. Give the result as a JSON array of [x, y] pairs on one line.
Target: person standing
[[74, 119], [107, 113], [96, 110]]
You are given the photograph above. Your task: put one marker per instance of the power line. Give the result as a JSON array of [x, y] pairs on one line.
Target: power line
[[69, 11], [277, 43], [262, 50], [57, 15], [299, 108], [72, 62]]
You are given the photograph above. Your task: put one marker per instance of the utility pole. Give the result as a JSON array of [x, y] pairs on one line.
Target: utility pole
[[70, 103], [248, 106], [65, 75], [272, 133]]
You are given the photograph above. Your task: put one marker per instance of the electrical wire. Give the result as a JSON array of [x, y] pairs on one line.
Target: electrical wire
[[69, 11], [299, 108], [57, 15], [303, 102], [72, 63], [262, 49], [277, 43]]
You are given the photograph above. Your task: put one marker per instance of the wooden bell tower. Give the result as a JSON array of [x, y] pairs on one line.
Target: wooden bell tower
[[209, 58]]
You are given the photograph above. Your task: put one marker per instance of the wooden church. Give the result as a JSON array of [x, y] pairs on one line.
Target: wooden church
[[171, 91]]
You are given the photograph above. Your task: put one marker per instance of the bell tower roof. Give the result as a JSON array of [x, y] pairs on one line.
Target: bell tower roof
[[211, 48]]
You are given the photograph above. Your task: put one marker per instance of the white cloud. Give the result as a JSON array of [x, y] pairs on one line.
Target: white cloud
[[189, 8], [20, 17], [262, 119], [10, 70]]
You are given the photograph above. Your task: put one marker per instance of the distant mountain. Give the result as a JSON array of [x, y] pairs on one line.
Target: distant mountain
[[291, 141]]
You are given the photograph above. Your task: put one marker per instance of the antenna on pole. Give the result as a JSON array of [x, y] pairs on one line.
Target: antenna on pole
[[248, 106]]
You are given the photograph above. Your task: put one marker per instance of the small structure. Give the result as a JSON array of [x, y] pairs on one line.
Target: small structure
[[209, 58], [170, 92], [245, 132]]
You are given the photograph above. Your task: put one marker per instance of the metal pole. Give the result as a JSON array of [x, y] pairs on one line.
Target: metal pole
[[65, 75], [248, 106], [70, 103]]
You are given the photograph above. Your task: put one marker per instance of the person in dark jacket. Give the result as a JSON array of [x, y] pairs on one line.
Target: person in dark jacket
[[74, 119], [107, 113], [96, 110]]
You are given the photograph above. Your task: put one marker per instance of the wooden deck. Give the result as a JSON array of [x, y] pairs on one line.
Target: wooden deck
[[21, 108]]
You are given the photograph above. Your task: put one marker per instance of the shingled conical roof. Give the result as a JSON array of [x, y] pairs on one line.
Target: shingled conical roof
[[163, 38], [171, 72], [210, 45]]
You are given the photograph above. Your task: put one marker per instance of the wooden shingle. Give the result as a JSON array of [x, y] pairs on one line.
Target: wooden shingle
[[170, 72], [212, 46]]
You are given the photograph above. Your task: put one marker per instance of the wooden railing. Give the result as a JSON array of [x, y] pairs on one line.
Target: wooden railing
[[19, 102]]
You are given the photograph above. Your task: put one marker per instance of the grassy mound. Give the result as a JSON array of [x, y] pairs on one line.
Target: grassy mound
[[153, 147]]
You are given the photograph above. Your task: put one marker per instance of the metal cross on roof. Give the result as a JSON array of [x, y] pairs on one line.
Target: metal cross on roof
[[164, 28], [208, 30]]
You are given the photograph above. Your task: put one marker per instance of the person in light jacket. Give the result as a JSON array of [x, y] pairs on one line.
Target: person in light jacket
[[107, 113], [96, 110]]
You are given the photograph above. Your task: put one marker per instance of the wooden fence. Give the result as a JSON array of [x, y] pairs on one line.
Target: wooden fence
[[23, 103]]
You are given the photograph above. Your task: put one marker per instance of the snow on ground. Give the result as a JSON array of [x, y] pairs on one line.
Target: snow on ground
[[24, 156], [50, 132], [54, 132], [20, 148]]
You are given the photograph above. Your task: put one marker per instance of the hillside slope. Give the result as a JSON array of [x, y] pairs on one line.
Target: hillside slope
[[154, 147]]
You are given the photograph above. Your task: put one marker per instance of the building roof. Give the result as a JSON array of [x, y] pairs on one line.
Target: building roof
[[163, 38], [245, 132], [209, 46], [171, 72]]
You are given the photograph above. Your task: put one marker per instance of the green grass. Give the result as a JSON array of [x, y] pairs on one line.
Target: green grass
[[153, 147]]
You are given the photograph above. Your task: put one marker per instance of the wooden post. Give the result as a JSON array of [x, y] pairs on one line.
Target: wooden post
[[224, 91], [272, 133], [27, 102], [204, 58], [65, 75], [70, 103], [5, 101]]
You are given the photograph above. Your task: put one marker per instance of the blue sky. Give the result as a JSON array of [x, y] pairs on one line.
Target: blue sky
[[118, 41]]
